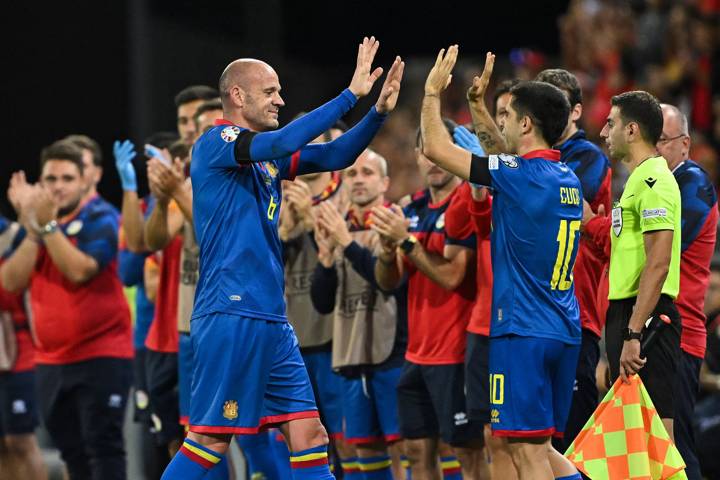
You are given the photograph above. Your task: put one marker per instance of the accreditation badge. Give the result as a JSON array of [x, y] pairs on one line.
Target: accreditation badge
[[617, 221]]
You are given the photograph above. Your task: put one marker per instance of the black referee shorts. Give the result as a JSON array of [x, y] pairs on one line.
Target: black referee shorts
[[663, 356]]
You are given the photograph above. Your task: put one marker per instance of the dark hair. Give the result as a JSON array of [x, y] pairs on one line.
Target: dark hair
[[207, 106], [86, 143], [162, 139], [179, 149], [64, 149], [642, 108], [545, 104], [565, 81], [449, 125], [195, 92], [503, 87]]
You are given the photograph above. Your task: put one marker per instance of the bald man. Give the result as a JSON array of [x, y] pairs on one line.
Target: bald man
[[699, 227], [248, 373]]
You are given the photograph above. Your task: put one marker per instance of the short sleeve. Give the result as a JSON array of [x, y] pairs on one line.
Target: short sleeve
[[506, 173], [657, 204], [225, 146], [98, 238]]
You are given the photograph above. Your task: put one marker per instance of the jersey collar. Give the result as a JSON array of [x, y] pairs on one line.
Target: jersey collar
[[546, 154], [222, 121]]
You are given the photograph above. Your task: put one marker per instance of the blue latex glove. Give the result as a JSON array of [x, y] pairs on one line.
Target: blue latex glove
[[468, 141], [124, 153]]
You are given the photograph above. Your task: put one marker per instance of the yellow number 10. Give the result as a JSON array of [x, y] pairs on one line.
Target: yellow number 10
[[562, 276]]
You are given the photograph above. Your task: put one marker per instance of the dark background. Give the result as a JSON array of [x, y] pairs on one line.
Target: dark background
[[110, 69]]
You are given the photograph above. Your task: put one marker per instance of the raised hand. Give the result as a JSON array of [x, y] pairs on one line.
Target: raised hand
[[41, 206], [390, 223], [19, 190], [476, 92], [364, 78], [441, 74], [299, 198], [124, 153], [391, 87]]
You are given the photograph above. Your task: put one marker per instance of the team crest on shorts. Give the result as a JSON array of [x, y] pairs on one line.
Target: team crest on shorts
[[229, 134], [230, 410], [494, 416]]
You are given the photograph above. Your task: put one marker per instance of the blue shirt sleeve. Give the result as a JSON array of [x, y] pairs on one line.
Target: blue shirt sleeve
[[697, 198], [344, 150], [99, 237], [591, 167], [506, 174], [131, 267]]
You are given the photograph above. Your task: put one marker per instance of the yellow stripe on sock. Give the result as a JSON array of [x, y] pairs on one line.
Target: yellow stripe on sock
[[405, 463], [202, 453], [350, 464], [369, 467], [309, 456], [450, 464]]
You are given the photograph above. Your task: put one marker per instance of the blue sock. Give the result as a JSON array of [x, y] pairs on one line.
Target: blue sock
[[406, 465], [376, 468], [311, 464], [191, 462], [351, 469], [574, 476], [219, 471], [259, 455], [451, 468]]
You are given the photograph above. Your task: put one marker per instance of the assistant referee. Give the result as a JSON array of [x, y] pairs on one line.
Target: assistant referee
[[644, 253]]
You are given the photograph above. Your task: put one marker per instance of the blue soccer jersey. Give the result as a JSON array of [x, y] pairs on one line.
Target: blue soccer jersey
[[537, 209], [236, 210]]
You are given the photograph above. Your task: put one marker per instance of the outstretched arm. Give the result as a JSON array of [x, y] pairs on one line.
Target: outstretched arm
[[437, 144], [344, 150], [298, 133], [487, 131]]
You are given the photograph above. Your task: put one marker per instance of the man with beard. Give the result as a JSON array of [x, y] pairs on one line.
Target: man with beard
[[645, 247], [80, 315]]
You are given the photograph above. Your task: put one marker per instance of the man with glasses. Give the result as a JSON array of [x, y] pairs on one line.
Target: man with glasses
[[698, 232]]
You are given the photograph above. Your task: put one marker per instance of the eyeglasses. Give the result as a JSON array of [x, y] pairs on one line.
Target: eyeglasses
[[666, 140]]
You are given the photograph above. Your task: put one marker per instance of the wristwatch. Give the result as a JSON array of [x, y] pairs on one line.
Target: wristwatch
[[628, 335], [408, 244], [48, 228]]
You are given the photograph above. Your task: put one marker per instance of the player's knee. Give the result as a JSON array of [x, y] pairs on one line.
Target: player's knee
[[528, 452], [420, 452]]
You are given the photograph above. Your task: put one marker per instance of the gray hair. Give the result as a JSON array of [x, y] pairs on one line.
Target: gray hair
[[683, 118]]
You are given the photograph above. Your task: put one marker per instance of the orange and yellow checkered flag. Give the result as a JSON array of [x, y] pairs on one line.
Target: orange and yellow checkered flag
[[625, 439]]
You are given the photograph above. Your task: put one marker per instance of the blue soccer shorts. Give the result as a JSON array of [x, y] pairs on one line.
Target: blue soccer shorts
[[371, 407], [247, 375], [327, 386], [531, 385]]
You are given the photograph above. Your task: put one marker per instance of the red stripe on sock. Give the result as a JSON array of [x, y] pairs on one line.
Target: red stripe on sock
[[452, 471], [196, 458], [310, 463]]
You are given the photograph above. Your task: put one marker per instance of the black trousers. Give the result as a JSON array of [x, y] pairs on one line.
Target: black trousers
[[83, 407], [686, 391]]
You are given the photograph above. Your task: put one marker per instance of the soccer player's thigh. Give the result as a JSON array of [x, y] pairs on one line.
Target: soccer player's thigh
[[446, 384], [663, 357], [384, 393], [520, 401], [361, 421], [328, 389], [417, 415], [18, 412], [185, 359], [563, 364], [232, 359], [141, 400], [477, 386], [289, 394]]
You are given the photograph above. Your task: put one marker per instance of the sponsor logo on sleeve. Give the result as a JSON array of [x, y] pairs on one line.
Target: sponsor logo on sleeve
[[493, 162], [654, 213], [617, 221], [508, 160]]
